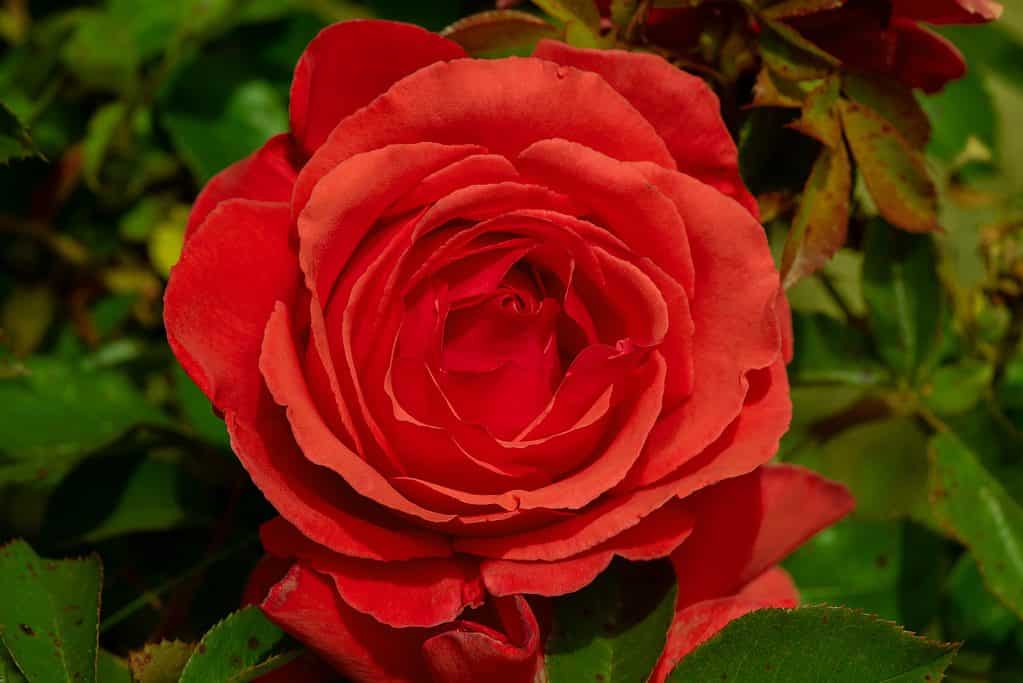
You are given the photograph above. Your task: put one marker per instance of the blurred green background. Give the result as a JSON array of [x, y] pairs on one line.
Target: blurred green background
[[114, 115]]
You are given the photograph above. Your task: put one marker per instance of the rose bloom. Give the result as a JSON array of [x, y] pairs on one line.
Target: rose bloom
[[477, 328], [876, 36]]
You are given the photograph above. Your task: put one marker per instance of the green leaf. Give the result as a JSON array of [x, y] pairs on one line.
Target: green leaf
[[215, 116], [830, 351], [9, 672], [814, 644], [57, 411], [499, 33], [198, 411], [49, 614], [956, 389], [964, 109], [887, 568], [15, 141], [607, 632], [905, 299], [103, 53], [111, 669], [821, 223], [884, 464], [241, 648], [970, 503], [895, 172], [970, 611], [160, 662], [117, 495]]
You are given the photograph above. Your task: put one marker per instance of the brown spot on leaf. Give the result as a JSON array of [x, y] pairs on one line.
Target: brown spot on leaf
[[26, 629]]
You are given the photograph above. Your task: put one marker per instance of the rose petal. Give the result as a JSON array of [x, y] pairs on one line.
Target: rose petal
[[267, 175], [503, 105], [765, 516], [417, 593], [349, 64], [923, 59], [682, 107], [656, 536], [221, 293], [305, 604], [737, 326], [948, 11], [471, 653]]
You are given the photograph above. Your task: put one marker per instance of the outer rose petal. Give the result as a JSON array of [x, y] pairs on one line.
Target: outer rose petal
[[469, 653], [425, 592], [737, 322], [268, 175], [948, 11], [349, 64], [697, 623], [306, 605], [503, 105], [221, 293], [683, 109], [765, 516], [656, 536], [307, 668]]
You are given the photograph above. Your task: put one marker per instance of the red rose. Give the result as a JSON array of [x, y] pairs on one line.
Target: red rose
[[478, 327]]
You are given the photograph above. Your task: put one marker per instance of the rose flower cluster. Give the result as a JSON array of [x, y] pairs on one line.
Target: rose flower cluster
[[478, 327]]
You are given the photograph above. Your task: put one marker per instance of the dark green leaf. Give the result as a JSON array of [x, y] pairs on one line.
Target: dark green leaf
[[111, 669], [830, 351], [895, 172], [972, 505], [607, 631], [198, 411], [57, 411], [49, 612], [785, 9], [241, 648], [217, 113], [970, 611], [892, 569], [905, 299], [814, 644], [160, 662], [15, 142]]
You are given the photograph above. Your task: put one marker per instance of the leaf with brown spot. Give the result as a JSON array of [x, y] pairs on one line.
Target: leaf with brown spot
[[242, 647], [892, 100], [160, 662], [973, 506], [49, 614], [894, 171], [820, 119], [822, 220]]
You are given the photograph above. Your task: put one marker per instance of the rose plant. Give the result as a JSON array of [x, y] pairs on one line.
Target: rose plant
[[476, 328]]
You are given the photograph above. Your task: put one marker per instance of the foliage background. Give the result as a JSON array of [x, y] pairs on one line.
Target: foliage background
[[908, 378]]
